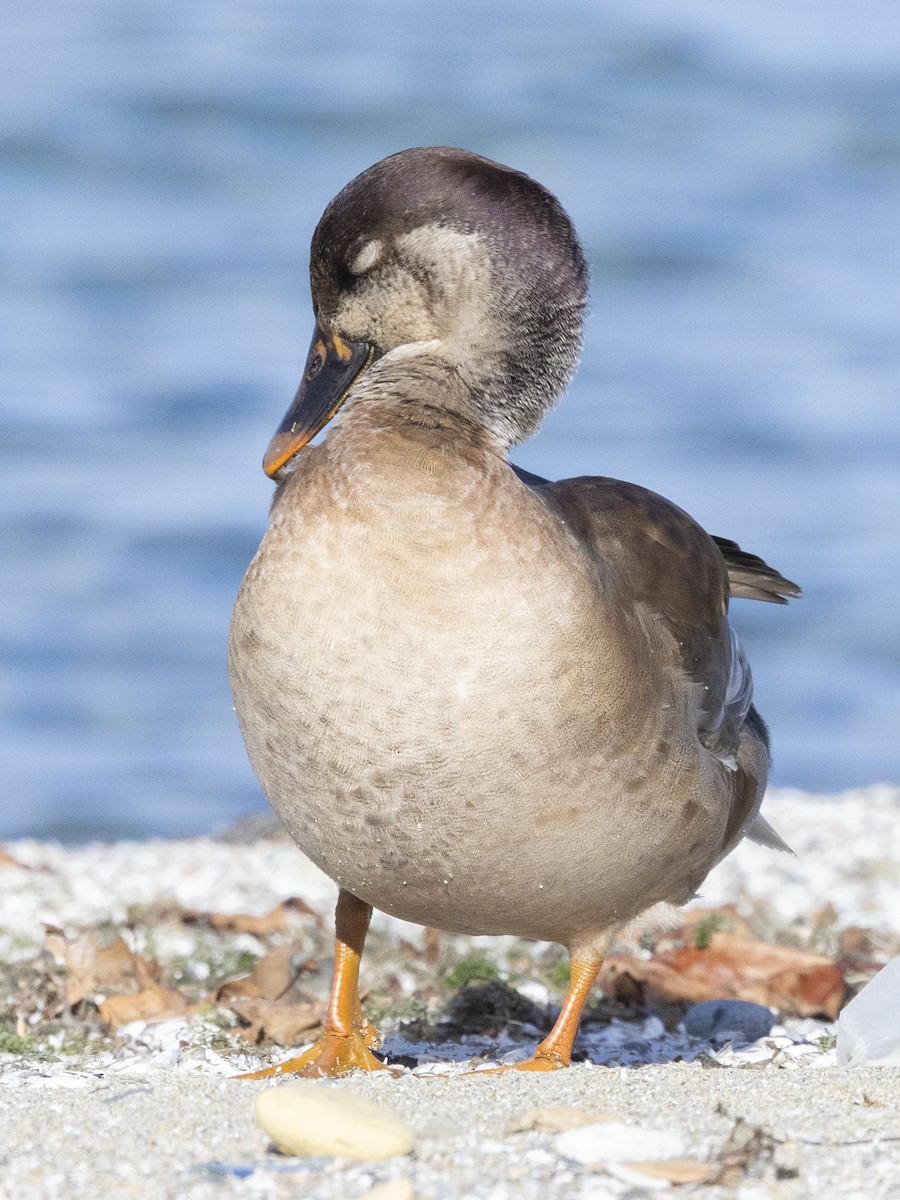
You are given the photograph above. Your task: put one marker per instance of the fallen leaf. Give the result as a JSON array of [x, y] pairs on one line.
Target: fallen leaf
[[733, 966], [674, 1170], [146, 974], [152, 1003], [90, 966], [274, 921], [270, 978], [858, 942], [269, 1020], [234, 989], [553, 1120]]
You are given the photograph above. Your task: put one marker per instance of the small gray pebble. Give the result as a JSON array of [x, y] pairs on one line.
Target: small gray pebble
[[738, 1021]]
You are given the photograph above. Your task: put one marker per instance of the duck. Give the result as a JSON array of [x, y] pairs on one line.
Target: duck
[[477, 699]]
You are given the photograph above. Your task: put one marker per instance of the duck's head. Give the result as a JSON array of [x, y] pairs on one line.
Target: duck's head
[[442, 253]]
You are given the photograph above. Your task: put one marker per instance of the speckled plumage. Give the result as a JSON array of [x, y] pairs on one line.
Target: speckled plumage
[[478, 703]]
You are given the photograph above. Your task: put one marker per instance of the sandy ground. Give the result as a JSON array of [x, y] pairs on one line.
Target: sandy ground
[[154, 1112], [826, 1133]]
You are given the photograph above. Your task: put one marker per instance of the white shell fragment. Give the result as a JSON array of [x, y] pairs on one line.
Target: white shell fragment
[[613, 1141], [306, 1118]]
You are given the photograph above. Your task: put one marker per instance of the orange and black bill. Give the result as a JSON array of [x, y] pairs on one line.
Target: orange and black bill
[[331, 367]]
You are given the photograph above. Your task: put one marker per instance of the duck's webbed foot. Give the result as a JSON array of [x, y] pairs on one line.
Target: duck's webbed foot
[[334, 1054], [347, 1041], [537, 1062], [555, 1051]]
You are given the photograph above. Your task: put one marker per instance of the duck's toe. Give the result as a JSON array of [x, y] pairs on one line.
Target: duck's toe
[[539, 1061], [331, 1056]]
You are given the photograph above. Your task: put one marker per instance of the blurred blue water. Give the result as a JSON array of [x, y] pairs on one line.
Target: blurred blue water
[[734, 172]]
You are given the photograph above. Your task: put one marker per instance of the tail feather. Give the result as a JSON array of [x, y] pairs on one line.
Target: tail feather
[[760, 831], [751, 578]]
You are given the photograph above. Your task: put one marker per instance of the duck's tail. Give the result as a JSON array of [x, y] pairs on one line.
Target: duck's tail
[[751, 578]]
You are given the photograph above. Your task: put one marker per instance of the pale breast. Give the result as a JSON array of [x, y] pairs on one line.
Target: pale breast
[[439, 710]]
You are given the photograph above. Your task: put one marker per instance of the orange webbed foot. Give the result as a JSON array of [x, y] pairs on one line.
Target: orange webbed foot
[[555, 1052], [347, 1041], [331, 1056], [538, 1062]]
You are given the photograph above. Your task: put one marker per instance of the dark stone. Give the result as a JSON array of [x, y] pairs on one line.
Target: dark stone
[[737, 1021]]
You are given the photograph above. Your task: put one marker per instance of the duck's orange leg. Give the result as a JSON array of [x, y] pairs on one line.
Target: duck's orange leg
[[555, 1051], [344, 1044]]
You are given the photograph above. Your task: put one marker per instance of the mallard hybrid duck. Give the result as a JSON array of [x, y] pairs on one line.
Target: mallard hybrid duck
[[479, 700]]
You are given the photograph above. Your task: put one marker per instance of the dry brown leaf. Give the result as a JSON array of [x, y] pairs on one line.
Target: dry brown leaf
[[274, 921], [280, 1023], [272, 975], [92, 968], [733, 967], [674, 1170], [152, 1003], [89, 965], [234, 989], [553, 1120], [269, 979], [855, 941], [145, 973]]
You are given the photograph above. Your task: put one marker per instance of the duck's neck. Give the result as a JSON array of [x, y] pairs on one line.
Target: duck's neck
[[402, 453], [420, 398]]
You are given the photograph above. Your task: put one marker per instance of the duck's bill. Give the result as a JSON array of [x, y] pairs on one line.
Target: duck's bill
[[331, 367]]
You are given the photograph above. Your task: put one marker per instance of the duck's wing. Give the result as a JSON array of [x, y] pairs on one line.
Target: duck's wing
[[749, 576], [662, 569], [666, 569]]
